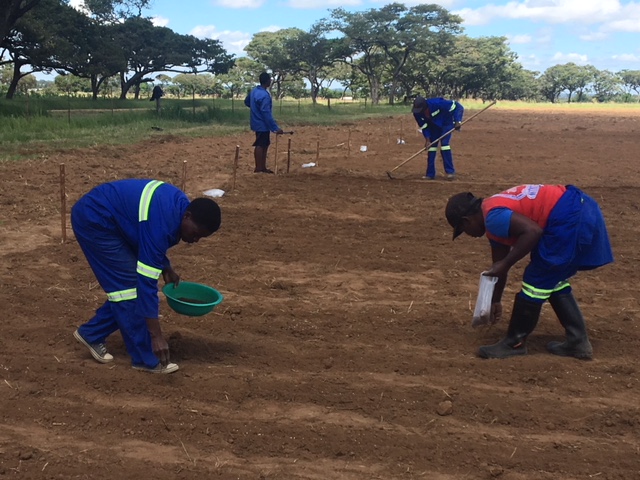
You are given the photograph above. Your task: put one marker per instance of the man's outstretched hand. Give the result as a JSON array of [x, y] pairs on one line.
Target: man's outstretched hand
[[159, 345], [170, 276]]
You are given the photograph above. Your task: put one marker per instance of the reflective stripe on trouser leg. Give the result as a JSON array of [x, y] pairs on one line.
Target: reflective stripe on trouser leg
[[542, 294], [114, 265], [431, 161]]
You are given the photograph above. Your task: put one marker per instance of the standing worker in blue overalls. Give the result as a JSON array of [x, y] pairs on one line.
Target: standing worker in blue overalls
[[435, 117], [125, 229], [262, 121]]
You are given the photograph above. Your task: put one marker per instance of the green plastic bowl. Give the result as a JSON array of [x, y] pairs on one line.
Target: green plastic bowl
[[192, 299]]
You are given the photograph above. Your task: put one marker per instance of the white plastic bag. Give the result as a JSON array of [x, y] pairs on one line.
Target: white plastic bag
[[214, 192], [482, 312]]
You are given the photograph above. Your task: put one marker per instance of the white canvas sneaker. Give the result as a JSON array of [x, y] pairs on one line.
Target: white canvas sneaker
[[169, 368], [97, 350]]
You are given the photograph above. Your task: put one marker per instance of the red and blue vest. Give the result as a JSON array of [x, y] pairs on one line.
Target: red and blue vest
[[533, 201]]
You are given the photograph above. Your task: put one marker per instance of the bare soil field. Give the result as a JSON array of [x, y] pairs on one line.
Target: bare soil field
[[346, 324]]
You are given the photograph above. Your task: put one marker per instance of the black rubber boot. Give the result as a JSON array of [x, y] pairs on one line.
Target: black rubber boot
[[577, 342], [524, 319]]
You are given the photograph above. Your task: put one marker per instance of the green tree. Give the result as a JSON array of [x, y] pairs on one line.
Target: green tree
[[383, 41], [477, 67], [575, 78], [107, 10], [149, 49], [631, 80], [71, 84], [313, 57], [40, 39], [521, 84], [606, 85], [114, 11], [93, 53], [552, 83], [10, 12], [350, 78], [55, 36], [194, 84], [270, 50], [241, 78], [26, 82]]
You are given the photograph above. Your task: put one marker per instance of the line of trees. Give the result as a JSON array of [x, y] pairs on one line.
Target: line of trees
[[388, 53], [107, 42]]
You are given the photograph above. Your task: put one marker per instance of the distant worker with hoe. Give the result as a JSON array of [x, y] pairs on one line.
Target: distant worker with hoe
[[262, 121], [435, 117], [125, 228], [564, 231]]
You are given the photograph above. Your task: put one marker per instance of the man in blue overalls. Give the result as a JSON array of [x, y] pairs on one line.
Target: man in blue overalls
[[435, 117], [125, 229], [262, 121]]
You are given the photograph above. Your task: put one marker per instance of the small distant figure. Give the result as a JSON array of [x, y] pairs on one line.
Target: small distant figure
[[435, 117], [156, 95], [262, 121]]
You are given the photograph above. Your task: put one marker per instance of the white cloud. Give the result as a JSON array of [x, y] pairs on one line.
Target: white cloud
[[271, 28], [159, 21], [412, 3], [544, 35], [593, 36], [322, 3], [624, 25], [627, 58], [530, 62], [558, 11], [79, 5], [519, 39], [232, 41], [576, 58], [239, 3]]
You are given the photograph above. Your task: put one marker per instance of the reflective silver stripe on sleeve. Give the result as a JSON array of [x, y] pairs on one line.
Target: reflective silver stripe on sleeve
[[145, 199]]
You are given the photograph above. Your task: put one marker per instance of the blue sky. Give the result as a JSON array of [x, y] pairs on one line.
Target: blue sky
[[603, 33]]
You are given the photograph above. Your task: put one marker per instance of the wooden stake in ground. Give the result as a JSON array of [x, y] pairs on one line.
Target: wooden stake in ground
[[275, 168], [349, 144], [317, 153], [289, 156], [184, 176], [235, 166], [63, 204]]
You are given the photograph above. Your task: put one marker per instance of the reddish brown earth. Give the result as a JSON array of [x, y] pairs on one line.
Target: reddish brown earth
[[346, 319]]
